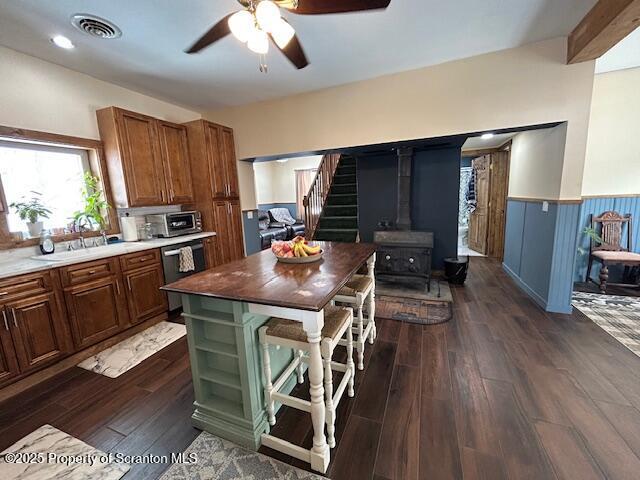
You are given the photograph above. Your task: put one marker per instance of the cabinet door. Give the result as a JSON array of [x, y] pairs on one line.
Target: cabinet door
[[142, 159], [215, 155], [97, 311], [210, 251], [230, 165], [224, 232], [237, 238], [145, 298], [39, 333], [8, 360], [175, 156]]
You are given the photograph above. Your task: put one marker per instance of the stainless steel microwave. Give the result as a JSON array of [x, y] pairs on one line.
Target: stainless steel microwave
[[175, 224]]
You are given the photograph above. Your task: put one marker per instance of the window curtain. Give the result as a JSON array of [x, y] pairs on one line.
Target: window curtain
[[304, 179]]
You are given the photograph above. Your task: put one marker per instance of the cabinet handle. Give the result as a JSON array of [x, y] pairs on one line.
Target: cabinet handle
[[91, 272], [129, 283], [4, 316], [3, 294], [162, 196], [15, 321], [118, 287], [172, 194]]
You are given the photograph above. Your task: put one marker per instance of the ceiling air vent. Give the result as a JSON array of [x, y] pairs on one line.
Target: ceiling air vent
[[95, 26]]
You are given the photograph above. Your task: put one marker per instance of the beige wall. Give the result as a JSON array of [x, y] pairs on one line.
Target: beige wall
[[276, 181], [517, 87], [536, 163], [39, 95], [612, 165]]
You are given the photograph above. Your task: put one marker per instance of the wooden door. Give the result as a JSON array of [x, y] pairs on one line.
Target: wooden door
[[224, 233], [97, 310], [144, 296], [142, 159], [216, 159], [237, 238], [499, 186], [230, 164], [39, 333], [478, 220], [8, 360], [175, 157]]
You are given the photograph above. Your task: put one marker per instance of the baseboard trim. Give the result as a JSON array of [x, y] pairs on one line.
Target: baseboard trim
[[527, 289], [72, 360]]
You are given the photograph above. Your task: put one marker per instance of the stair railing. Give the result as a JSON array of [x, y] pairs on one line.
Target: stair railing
[[315, 200]]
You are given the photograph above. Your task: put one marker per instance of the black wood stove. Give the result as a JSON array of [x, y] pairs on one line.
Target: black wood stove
[[404, 255]]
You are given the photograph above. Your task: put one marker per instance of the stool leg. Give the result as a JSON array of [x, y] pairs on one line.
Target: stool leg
[[361, 339], [268, 388], [299, 368], [350, 365], [371, 307], [328, 392]]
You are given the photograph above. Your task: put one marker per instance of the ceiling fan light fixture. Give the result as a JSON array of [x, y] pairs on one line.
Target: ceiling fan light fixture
[[242, 25], [268, 15], [282, 33], [258, 42]]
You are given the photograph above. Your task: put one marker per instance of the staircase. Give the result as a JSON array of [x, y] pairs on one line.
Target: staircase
[[338, 220]]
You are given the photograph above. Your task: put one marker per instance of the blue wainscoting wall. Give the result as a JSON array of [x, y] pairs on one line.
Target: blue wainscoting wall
[[540, 251], [251, 232], [596, 206]]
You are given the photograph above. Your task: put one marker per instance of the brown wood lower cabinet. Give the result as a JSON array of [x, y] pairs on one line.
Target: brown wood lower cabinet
[[145, 298], [8, 361], [39, 334], [97, 310], [228, 221]]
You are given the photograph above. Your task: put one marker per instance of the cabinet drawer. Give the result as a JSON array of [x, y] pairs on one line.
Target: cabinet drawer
[[140, 259], [25, 285], [86, 272]]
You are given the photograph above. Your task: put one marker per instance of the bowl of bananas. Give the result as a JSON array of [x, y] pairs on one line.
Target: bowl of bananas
[[297, 250]]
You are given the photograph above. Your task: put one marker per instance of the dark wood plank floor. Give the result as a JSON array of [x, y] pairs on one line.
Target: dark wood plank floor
[[504, 390]]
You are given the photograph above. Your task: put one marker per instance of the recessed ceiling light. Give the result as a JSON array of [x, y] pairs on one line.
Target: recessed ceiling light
[[62, 42], [487, 136]]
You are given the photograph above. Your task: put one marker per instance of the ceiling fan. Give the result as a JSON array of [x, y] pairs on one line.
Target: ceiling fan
[[261, 21]]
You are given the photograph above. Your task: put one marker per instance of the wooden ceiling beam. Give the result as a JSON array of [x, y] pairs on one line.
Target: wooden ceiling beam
[[608, 22]]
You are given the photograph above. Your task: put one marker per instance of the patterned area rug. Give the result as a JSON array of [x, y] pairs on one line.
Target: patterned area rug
[[123, 356], [618, 316], [50, 454], [219, 459]]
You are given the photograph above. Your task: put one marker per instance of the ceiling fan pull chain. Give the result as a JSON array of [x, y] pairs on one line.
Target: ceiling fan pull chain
[[264, 68]]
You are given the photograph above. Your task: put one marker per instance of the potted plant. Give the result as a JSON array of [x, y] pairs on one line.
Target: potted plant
[[92, 217], [32, 210]]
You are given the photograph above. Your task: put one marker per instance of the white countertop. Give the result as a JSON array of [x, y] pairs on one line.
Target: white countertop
[[20, 266]]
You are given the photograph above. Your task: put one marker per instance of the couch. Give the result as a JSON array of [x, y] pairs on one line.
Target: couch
[[270, 229]]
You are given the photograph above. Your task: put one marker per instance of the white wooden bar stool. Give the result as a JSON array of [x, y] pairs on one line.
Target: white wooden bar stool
[[357, 291], [289, 333]]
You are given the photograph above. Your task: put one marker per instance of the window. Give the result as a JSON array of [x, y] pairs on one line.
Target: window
[[56, 173]]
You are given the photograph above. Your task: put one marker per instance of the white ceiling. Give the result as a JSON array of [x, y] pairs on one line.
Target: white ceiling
[[341, 48], [625, 54], [477, 143]]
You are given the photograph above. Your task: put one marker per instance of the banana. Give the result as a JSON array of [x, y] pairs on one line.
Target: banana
[[311, 250], [296, 252], [303, 253]]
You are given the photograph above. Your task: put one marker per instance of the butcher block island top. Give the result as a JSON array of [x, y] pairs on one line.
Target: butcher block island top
[[261, 279]]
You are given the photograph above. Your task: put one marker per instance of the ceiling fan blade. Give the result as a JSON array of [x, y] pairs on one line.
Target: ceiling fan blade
[[319, 7], [294, 52], [215, 33]]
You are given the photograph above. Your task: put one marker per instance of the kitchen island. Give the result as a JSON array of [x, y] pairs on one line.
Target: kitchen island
[[225, 306]]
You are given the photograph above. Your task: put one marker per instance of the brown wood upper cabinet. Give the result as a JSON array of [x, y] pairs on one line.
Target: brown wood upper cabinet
[[147, 159], [217, 177]]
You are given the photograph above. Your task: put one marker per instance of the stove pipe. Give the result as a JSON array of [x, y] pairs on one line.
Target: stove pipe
[[405, 157]]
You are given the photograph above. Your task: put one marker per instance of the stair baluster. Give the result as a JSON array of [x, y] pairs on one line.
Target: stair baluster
[[315, 200]]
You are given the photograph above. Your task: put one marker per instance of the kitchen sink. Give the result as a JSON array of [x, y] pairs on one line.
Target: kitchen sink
[[81, 253]]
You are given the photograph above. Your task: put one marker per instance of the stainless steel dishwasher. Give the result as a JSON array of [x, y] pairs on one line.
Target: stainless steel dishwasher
[[171, 266]]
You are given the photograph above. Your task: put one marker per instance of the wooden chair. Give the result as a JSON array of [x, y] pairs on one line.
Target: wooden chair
[[611, 251]]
